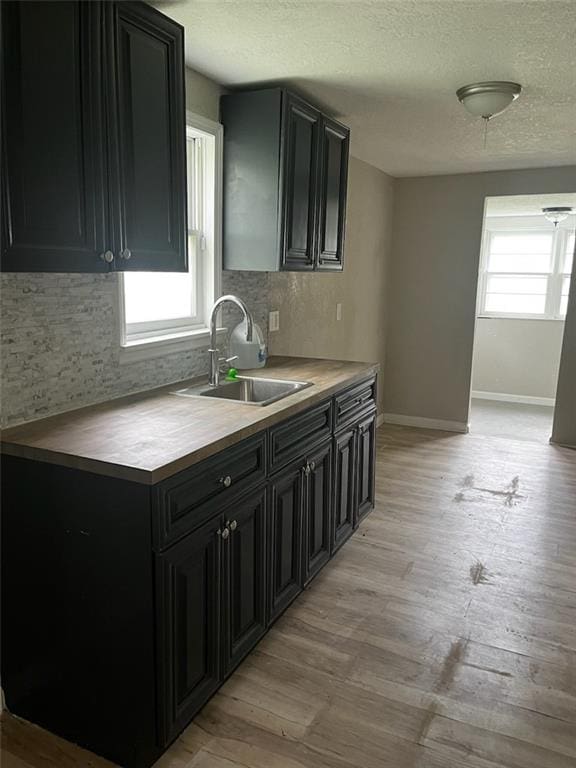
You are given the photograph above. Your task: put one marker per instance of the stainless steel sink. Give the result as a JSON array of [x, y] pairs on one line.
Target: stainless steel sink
[[247, 390]]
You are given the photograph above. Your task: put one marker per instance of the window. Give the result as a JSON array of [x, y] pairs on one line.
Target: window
[[163, 309], [525, 267]]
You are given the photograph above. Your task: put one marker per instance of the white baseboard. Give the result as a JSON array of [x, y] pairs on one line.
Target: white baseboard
[[425, 423], [379, 420], [504, 398]]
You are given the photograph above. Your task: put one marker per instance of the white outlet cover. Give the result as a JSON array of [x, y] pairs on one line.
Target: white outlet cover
[[274, 320]]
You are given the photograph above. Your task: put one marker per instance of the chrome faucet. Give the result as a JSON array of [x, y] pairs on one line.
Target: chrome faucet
[[215, 359]]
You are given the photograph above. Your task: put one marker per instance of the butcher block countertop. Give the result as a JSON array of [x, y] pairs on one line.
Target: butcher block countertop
[[150, 436]]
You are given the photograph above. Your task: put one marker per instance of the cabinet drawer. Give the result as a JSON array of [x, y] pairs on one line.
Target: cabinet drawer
[[188, 499], [291, 439], [354, 401]]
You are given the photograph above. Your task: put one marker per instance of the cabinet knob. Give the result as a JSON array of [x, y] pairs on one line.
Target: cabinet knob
[[126, 254], [107, 256], [226, 481], [312, 466], [233, 525], [224, 533], [307, 469]]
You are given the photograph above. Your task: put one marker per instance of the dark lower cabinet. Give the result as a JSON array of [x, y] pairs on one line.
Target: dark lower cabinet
[[344, 482], [285, 548], [244, 578], [143, 621], [365, 465], [317, 511], [189, 588]]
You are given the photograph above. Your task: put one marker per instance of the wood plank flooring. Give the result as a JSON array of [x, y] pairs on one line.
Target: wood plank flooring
[[443, 635]]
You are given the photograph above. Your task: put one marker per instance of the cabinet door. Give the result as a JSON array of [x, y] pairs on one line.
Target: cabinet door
[[145, 83], [285, 538], [245, 577], [317, 511], [53, 195], [344, 502], [334, 146], [365, 459], [301, 131], [188, 600]]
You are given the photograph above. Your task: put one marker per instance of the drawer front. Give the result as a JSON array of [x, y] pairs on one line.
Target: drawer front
[[188, 499], [291, 439], [354, 401]]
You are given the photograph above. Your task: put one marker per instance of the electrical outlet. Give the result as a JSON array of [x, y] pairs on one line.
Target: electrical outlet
[[338, 311], [274, 321]]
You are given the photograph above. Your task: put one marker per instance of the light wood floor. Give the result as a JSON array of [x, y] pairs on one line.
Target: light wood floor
[[442, 636]]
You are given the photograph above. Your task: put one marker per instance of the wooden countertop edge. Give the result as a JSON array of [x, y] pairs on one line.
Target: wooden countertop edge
[[309, 397]]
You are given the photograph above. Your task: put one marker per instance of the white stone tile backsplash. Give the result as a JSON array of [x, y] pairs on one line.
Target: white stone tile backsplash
[[59, 342]]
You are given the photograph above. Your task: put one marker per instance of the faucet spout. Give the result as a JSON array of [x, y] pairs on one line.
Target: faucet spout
[[214, 378]]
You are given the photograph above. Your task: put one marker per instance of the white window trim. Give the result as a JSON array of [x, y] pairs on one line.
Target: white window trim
[[183, 336], [514, 224]]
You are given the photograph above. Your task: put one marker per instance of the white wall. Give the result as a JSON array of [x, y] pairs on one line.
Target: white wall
[[436, 246], [517, 357]]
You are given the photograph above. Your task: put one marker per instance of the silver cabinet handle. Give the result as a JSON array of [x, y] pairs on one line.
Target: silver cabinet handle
[[107, 256], [307, 470], [312, 466], [126, 254], [233, 525], [224, 533], [226, 481]]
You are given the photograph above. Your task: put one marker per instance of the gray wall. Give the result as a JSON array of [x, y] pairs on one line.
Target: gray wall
[[307, 301], [517, 357], [436, 246]]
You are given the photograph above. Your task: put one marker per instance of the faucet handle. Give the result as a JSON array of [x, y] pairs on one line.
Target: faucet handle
[[226, 360]]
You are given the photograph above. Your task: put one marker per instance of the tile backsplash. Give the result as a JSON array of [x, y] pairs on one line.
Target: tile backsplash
[[59, 336]]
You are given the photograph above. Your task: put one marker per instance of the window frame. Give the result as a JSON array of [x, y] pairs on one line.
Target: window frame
[[156, 338], [514, 225]]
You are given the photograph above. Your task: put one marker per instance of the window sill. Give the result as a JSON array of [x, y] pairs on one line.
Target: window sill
[[522, 317], [168, 344]]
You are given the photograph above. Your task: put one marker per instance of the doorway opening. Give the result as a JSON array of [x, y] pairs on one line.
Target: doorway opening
[[526, 261]]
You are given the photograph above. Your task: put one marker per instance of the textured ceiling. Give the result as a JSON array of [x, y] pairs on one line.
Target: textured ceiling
[[390, 68]]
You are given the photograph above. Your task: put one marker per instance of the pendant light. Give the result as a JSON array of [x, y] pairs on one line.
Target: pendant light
[[557, 213]]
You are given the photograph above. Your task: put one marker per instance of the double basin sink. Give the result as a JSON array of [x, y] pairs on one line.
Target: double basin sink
[[247, 389]]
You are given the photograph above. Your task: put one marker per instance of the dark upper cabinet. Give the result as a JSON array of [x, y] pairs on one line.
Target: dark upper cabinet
[[245, 578], [285, 177], [53, 169], [93, 138], [189, 588], [285, 538], [334, 148], [365, 465], [344, 486], [145, 85], [317, 510], [301, 126]]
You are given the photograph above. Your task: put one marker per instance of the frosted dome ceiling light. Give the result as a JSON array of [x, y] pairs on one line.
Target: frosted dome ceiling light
[[489, 99], [557, 213]]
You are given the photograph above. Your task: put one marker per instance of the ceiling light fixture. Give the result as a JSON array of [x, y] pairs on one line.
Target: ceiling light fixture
[[489, 99], [486, 100], [557, 213]]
